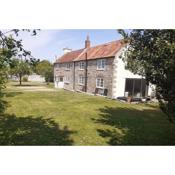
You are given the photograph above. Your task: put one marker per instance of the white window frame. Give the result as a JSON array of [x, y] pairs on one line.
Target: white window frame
[[100, 83], [81, 65], [66, 79], [81, 80], [101, 64], [56, 78], [61, 77], [68, 66], [57, 65]]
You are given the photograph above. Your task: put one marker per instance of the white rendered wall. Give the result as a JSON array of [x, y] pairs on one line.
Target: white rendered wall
[[119, 77], [36, 78], [56, 84]]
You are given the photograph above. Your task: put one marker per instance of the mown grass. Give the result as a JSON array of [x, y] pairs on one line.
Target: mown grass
[[67, 118]]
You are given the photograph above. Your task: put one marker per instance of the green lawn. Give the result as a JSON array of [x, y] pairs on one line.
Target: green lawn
[[66, 118]]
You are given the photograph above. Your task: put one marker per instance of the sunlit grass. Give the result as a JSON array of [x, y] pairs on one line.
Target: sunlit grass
[[94, 120]]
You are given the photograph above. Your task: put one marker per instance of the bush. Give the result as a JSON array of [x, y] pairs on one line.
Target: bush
[[49, 76], [25, 79]]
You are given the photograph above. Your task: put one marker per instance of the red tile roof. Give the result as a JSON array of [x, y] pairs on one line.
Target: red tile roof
[[100, 51], [68, 57]]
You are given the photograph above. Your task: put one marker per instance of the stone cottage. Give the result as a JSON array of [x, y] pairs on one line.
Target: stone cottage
[[98, 70]]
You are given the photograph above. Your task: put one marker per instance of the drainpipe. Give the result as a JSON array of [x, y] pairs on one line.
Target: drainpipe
[[86, 65], [74, 75]]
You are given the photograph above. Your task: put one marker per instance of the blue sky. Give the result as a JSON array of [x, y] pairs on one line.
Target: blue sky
[[48, 44]]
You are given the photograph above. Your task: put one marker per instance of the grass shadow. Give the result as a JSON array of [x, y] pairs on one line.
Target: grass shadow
[[26, 85], [12, 94], [135, 127], [32, 131], [152, 105]]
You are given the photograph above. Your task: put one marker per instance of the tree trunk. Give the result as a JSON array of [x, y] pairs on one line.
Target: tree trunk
[[20, 79]]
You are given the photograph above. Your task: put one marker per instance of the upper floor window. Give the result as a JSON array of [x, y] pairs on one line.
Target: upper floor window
[[100, 83], [82, 65], [81, 80], [57, 65], [68, 65], [101, 64]]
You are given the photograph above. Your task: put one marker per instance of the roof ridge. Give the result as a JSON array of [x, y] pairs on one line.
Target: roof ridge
[[106, 43], [93, 46], [102, 50], [72, 51]]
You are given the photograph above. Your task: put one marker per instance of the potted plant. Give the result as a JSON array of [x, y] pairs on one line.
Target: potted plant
[[129, 99]]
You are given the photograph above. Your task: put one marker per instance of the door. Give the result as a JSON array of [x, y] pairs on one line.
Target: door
[[60, 83]]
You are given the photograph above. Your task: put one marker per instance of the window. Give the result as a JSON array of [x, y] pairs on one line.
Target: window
[[68, 65], [66, 79], [57, 65], [56, 78], [135, 87], [101, 64], [61, 79], [82, 65], [81, 80], [99, 83]]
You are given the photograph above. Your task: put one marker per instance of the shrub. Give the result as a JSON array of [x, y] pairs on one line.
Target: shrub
[[25, 79]]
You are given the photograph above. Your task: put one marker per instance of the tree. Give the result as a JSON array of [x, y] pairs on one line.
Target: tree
[[49, 77], [45, 68], [3, 78], [20, 68], [10, 47], [151, 53]]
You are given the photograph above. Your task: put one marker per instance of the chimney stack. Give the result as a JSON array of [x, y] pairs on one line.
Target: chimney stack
[[87, 43], [66, 50]]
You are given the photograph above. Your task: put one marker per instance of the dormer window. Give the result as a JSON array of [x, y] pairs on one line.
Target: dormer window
[[82, 65], [101, 64]]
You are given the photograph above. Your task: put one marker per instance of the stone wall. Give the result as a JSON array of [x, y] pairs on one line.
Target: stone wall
[[92, 74], [78, 72], [106, 74], [60, 70]]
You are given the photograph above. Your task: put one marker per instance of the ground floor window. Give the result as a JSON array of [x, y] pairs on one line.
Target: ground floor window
[[99, 83], [66, 79], [135, 87], [58, 78], [81, 80]]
